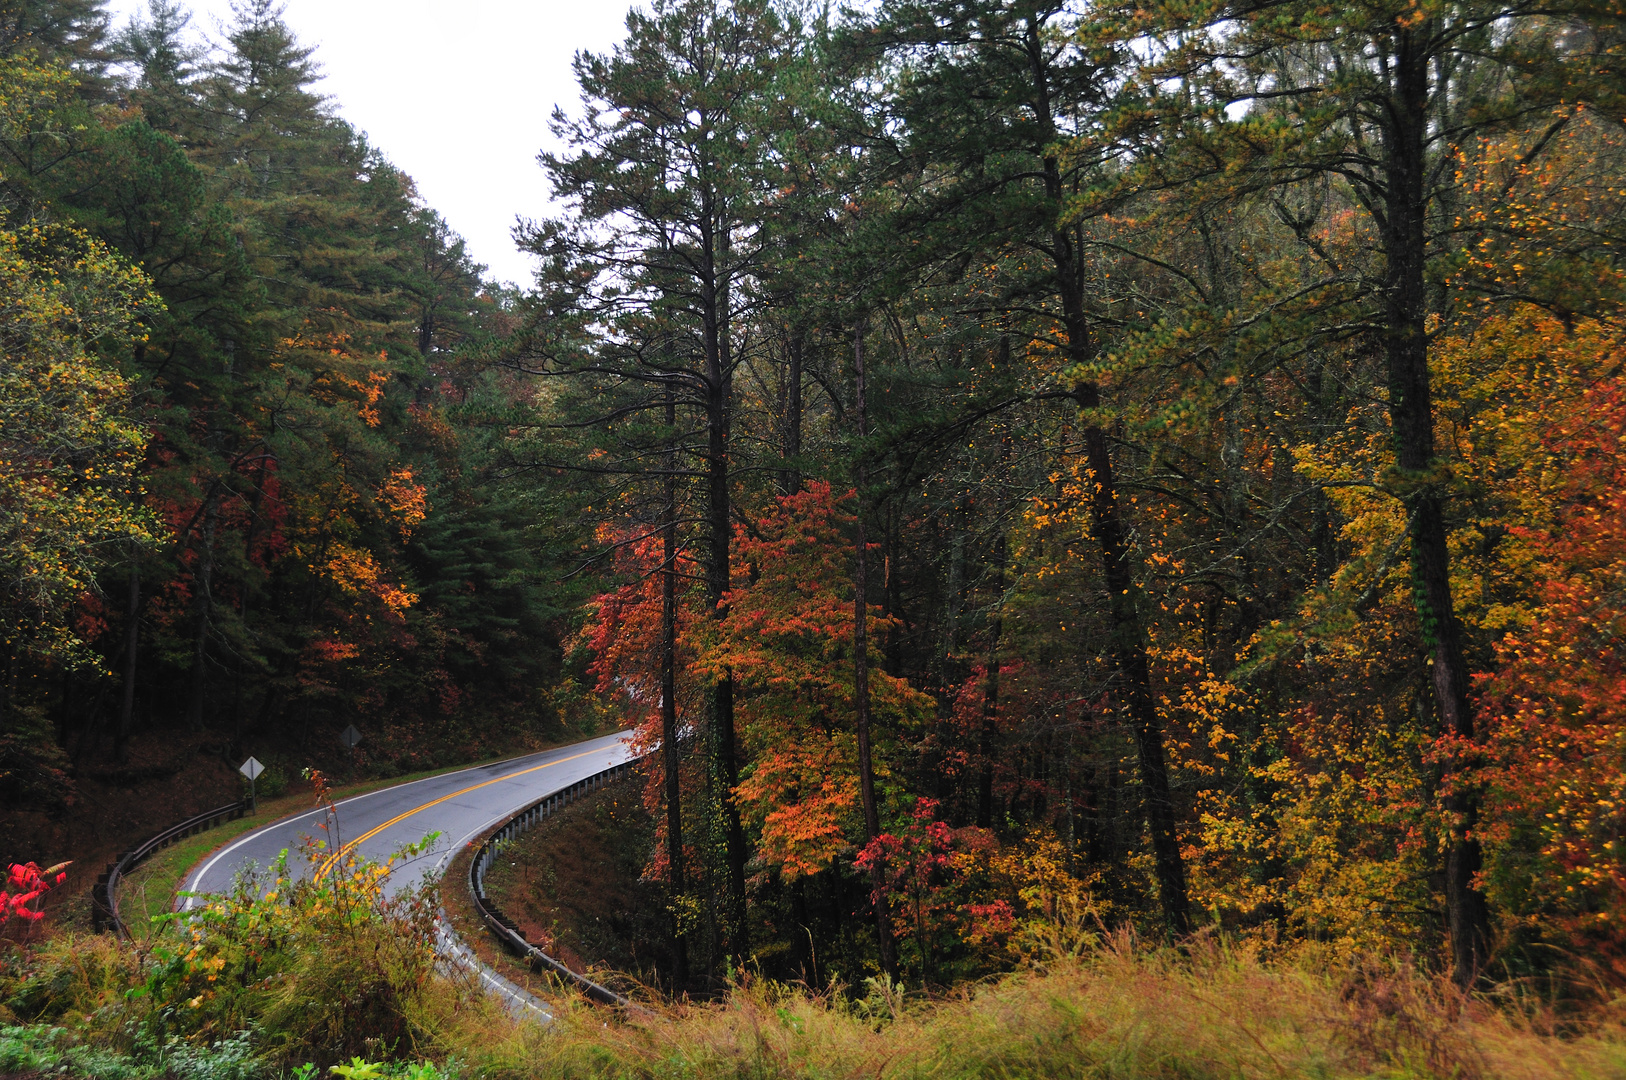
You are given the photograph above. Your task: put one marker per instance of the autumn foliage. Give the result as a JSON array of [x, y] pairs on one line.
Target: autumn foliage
[[25, 884], [1555, 759], [1024, 473], [787, 639]]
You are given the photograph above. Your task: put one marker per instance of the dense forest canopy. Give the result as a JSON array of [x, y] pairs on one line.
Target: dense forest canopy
[[1010, 461]]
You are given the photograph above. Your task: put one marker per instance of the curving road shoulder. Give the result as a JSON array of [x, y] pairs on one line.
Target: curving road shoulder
[[458, 805]]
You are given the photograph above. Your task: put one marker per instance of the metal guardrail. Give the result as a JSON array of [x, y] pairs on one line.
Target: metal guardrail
[[104, 895], [504, 928]]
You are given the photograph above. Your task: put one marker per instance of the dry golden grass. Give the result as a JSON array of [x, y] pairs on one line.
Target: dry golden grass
[[1113, 1012], [1086, 1007]]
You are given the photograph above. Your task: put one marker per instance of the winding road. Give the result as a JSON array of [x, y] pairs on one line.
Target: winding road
[[459, 805]]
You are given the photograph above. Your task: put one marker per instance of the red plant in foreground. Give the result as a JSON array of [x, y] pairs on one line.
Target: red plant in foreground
[[25, 884]]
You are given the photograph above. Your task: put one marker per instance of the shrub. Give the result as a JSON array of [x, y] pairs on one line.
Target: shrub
[[25, 885], [50, 1050], [328, 964], [325, 964]]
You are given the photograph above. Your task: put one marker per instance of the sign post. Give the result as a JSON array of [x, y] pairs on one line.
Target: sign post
[[251, 769], [350, 737]]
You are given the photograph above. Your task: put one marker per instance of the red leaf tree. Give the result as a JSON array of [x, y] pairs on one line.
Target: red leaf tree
[[26, 884]]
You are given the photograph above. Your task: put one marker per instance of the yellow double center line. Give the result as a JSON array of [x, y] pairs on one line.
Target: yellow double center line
[[369, 834]]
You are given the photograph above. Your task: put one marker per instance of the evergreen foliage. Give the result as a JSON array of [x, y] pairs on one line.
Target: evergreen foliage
[[289, 337]]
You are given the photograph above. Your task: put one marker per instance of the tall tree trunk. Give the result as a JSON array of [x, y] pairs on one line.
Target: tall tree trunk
[[64, 714], [790, 479], [986, 749], [205, 608], [1411, 415], [950, 674], [8, 682], [1134, 690], [669, 734], [1128, 645], [949, 677], [990, 694], [866, 764], [718, 405]]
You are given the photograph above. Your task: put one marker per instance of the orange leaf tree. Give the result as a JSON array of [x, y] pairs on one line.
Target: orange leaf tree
[[787, 639], [1556, 708]]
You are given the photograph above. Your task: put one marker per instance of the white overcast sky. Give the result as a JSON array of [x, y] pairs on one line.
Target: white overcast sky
[[456, 94]]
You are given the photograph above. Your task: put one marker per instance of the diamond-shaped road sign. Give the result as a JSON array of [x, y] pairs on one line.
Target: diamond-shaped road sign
[[350, 736], [251, 768]]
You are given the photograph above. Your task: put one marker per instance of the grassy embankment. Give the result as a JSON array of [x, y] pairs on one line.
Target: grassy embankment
[[1108, 1010], [1082, 1005], [573, 883], [321, 987]]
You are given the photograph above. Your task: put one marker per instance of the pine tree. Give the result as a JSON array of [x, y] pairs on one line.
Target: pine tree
[[70, 32], [986, 96], [667, 175], [162, 64]]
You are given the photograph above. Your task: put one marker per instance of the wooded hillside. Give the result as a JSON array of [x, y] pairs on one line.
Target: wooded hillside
[[243, 502]]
